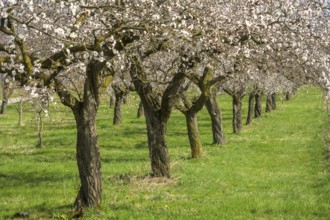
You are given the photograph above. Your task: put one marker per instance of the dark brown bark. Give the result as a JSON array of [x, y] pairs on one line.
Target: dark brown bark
[[88, 155], [87, 149], [258, 105], [157, 110], [237, 113], [250, 108], [88, 158], [193, 134], [117, 119], [158, 153], [215, 114], [269, 103], [140, 111]]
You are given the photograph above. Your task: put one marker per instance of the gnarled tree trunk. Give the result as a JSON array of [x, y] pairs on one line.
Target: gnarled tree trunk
[[158, 153], [215, 114], [258, 105], [157, 111], [88, 155], [87, 149], [250, 108], [193, 133], [88, 158]]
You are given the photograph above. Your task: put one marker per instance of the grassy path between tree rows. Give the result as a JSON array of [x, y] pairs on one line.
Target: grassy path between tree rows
[[277, 168]]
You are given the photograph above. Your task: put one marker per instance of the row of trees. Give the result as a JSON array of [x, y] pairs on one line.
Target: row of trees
[[176, 54]]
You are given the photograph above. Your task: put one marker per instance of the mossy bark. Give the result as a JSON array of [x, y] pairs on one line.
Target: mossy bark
[[193, 134]]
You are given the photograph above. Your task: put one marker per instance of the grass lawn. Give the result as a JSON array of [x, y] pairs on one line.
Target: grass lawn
[[276, 168]]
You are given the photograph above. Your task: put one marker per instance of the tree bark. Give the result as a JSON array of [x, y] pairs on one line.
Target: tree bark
[[237, 113], [87, 148], [3, 110], [40, 128], [287, 96], [157, 111], [258, 105], [117, 119], [250, 108], [88, 158], [193, 133], [191, 108], [5, 96], [269, 103], [215, 114], [140, 111], [120, 91], [20, 112], [158, 153], [124, 98], [88, 155], [273, 97], [112, 101]]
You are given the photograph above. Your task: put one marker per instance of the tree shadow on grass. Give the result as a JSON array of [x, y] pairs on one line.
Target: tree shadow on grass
[[123, 160], [32, 179], [141, 145], [43, 211]]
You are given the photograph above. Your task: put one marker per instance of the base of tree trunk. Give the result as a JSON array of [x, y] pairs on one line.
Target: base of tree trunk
[[194, 137]]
